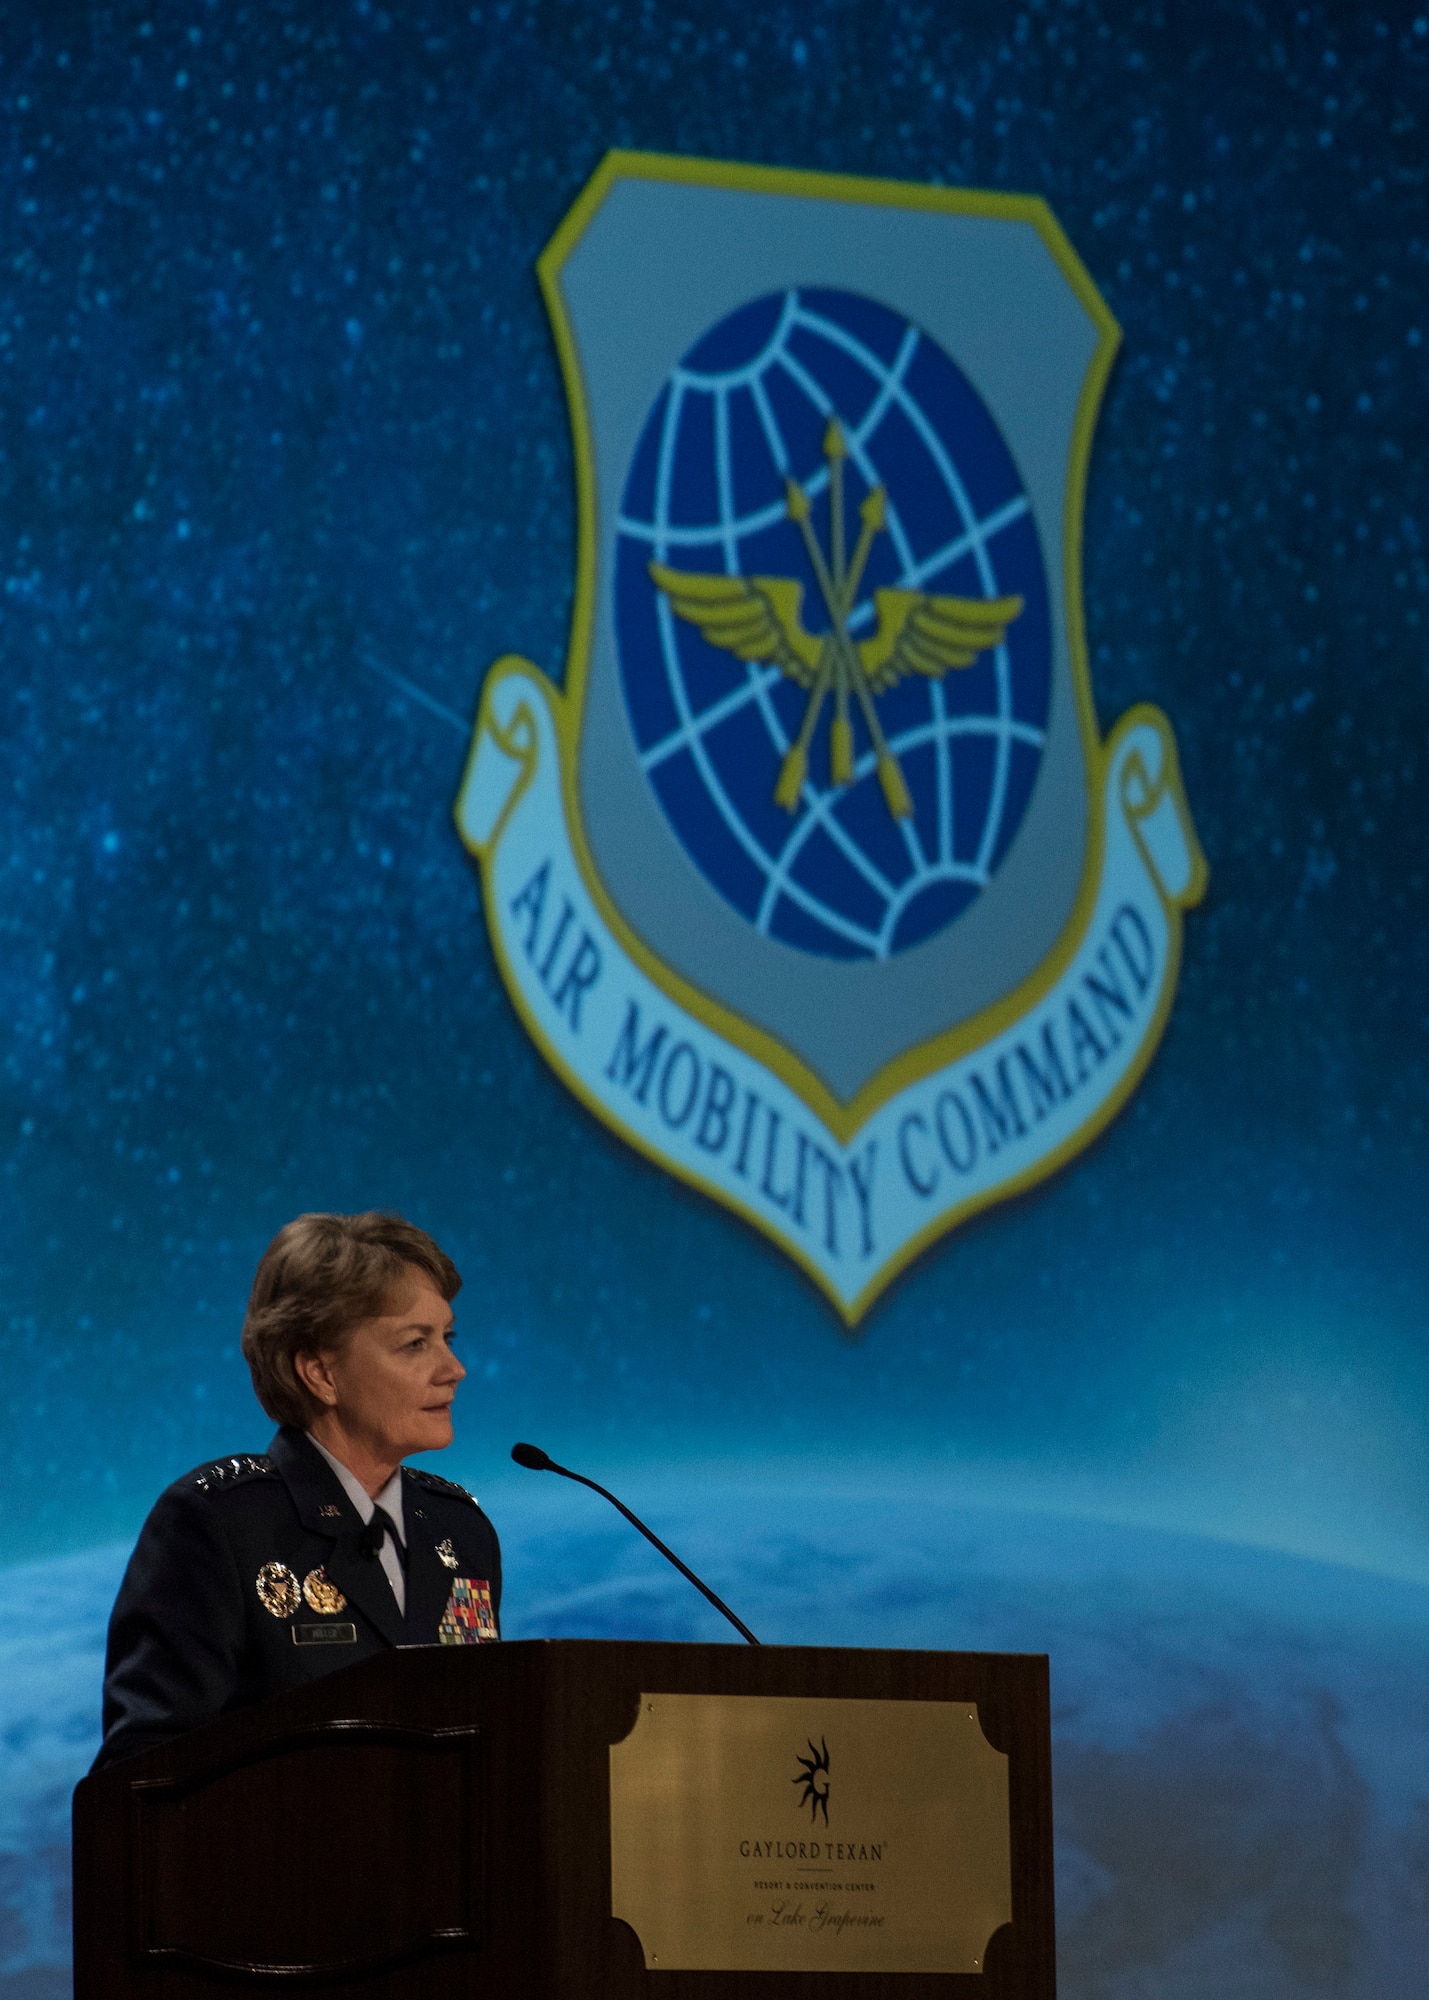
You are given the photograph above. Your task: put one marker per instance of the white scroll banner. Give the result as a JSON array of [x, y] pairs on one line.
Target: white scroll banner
[[853, 1210]]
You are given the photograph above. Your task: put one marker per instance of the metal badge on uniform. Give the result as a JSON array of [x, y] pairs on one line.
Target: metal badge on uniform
[[468, 1619], [278, 1590], [447, 1554], [325, 1635], [322, 1595], [329, 1512]]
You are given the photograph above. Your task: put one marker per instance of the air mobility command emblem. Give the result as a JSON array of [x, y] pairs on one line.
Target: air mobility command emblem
[[816, 881]]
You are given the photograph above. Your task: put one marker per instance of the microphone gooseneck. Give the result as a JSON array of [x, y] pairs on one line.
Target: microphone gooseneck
[[535, 1460]]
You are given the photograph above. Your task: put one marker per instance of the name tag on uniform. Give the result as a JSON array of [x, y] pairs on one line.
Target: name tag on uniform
[[324, 1635]]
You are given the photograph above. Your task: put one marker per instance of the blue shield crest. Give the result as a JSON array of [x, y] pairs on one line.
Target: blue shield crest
[[817, 880]]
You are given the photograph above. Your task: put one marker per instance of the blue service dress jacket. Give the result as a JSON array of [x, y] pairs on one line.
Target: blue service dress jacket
[[250, 1576]]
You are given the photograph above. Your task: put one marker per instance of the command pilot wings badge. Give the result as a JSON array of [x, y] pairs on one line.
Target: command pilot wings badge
[[816, 882], [757, 618]]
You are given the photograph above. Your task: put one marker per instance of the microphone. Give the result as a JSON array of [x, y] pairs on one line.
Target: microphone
[[536, 1460]]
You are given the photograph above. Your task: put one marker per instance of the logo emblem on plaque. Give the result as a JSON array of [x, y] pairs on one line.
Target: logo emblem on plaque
[[813, 1780], [816, 880]]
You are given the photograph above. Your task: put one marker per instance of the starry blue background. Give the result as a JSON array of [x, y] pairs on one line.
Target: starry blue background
[[284, 464]]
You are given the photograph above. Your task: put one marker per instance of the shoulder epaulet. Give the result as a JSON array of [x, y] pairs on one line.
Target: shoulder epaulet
[[435, 1484], [233, 1471]]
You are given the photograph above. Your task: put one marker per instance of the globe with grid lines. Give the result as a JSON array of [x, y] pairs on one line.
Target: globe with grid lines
[[812, 403]]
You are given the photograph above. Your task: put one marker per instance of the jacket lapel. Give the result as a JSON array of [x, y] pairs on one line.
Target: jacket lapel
[[316, 1491], [363, 1581], [429, 1581]]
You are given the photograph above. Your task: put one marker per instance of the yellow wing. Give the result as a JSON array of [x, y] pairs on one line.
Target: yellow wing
[[753, 617], [918, 634]]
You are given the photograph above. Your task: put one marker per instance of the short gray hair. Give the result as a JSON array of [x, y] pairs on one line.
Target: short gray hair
[[320, 1277]]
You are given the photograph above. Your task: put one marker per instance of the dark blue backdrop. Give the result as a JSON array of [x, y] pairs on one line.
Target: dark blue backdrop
[[284, 464]]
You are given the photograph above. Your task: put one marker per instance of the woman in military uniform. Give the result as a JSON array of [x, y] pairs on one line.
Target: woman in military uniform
[[257, 1573]]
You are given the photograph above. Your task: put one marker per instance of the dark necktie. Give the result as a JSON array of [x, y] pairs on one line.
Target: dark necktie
[[378, 1528]]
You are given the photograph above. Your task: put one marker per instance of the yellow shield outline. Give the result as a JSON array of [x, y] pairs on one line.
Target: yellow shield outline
[[842, 1119]]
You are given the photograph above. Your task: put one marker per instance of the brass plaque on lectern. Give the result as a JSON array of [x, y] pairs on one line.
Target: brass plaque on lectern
[[758, 1833]]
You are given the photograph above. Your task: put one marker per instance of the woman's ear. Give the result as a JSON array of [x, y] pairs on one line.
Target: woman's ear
[[314, 1371]]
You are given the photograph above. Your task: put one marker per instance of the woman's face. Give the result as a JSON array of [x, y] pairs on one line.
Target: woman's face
[[392, 1381]]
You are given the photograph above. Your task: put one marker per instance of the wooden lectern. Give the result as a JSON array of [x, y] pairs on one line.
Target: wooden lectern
[[560, 1818]]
